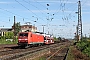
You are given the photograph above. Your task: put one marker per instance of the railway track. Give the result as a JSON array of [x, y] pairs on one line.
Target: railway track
[[6, 47], [60, 54], [50, 54], [20, 53]]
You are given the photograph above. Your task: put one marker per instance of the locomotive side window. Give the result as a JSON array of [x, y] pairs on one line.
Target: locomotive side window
[[44, 38], [23, 34], [31, 35]]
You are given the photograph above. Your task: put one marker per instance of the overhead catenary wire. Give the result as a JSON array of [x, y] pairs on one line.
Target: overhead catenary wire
[[40, 4], [8, 22], [34, 6], [11, 13], [66, 17], [14, 14], [28, 9], [84, 2]]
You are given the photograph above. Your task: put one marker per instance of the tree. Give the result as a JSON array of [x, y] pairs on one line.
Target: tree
[[59, 38], [55, 38], [17, 28]]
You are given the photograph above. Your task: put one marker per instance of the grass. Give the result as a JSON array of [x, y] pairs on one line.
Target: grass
[[42, 58], [70, 55], [3, 41]]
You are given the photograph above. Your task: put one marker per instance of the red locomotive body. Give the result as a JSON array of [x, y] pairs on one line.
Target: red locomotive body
[[29, 38]]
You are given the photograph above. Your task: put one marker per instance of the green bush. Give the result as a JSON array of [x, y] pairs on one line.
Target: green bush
[[3, 41], [9, 35], [87, 51], [84, 46], [81, 45]]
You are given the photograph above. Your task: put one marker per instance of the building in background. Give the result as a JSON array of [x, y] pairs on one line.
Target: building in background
[[4, 30], [23, 29], [28, 28]]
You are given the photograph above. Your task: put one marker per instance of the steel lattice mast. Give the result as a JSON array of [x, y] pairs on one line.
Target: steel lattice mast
[[79, 21]]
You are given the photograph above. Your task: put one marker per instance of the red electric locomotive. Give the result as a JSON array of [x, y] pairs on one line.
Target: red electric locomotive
[[29, 39]]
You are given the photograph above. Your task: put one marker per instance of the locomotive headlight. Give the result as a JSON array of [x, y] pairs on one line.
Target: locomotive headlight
[[19, 39], [47, 41], [26, 39]]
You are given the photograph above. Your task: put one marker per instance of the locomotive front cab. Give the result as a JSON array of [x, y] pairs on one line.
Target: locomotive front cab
[[23, 39]]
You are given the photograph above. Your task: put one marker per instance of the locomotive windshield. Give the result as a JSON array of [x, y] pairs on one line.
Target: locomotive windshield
[[23, 34]]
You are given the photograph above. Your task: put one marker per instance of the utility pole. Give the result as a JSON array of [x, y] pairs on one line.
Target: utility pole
[[79, 21], [77, 36], [43, 27], [14, 30]]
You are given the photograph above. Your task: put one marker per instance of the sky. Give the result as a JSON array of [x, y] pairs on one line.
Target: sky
[[57, 16]]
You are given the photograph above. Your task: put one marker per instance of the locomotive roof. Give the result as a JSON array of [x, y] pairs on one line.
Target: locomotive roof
[[40, 32]]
